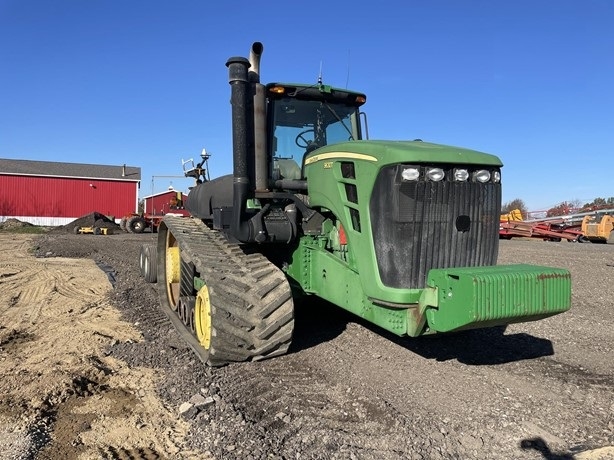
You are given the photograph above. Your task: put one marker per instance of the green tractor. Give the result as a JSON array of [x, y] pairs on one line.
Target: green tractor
[[404, 234]]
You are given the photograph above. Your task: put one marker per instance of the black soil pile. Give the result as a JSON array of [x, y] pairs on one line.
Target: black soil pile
[[94, 219]]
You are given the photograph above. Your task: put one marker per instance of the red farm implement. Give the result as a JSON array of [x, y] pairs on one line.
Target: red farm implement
[[568, 227], [555, 230]]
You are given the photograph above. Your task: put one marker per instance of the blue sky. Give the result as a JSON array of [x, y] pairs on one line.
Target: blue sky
[[145, 83]]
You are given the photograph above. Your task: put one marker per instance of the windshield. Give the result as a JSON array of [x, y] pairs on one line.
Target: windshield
[[300, 126]]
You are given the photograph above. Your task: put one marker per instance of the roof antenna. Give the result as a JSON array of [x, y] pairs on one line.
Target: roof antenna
[[347, 78], [320, 76]]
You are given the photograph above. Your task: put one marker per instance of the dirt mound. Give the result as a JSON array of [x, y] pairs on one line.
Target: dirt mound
[[12, 223], [94, 219]]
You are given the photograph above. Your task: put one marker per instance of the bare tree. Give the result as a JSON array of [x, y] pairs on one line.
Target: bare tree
[[598, 203], [564, 208], [516, 203]]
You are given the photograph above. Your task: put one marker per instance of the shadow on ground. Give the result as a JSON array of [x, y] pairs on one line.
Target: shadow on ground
[[318, 321], [479, 346], [539, 445]]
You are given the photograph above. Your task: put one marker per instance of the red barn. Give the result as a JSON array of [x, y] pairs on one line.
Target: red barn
[[164, 202], [51, 193]]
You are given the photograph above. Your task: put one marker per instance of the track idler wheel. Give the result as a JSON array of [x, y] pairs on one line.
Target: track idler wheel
[[202, 318]]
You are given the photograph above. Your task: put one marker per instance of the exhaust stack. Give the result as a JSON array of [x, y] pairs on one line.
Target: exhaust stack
[[261, 162], [241, 186], [255, 53]]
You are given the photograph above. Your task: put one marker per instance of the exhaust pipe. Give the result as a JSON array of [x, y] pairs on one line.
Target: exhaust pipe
[[255, 53], [261, 162]]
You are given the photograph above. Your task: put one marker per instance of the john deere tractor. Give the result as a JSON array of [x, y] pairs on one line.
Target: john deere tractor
[[404, 234]]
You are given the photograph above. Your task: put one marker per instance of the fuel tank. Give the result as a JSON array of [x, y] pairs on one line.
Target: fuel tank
[[204, 197]]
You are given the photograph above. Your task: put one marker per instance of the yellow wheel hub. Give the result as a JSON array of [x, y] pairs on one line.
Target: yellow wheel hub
[[202, 317], [173, 265]]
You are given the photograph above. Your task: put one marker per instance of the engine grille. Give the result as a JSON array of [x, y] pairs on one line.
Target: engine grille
[[428, 225]]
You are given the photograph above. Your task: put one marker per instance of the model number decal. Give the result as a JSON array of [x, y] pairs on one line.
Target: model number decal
[[338, 156], [328, 165]]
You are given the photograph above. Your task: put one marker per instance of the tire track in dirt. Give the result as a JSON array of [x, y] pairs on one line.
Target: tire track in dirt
[[321, 414], [471, 395], [518, 403], [61, 395], [460, 394], [451, 416]]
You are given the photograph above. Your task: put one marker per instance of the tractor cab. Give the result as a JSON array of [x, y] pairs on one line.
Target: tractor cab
[[304, 118]]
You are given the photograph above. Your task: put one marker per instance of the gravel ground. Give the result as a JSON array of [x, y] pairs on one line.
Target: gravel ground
[[348, 390]]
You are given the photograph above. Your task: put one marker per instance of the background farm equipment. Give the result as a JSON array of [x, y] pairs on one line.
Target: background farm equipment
[[138, 223], [556, 230], [593, 226], [94, 223], [599, 228], [93, 230]]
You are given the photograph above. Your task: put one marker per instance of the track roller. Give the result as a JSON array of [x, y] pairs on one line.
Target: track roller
[[185, 310]]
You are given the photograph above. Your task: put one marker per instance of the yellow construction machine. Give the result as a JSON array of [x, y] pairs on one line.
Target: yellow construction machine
[[599, 228], [513, 215], [93, 230]]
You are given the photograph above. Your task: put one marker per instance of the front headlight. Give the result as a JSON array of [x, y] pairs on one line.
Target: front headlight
[[482, 176], [496, 177], [410, 174], [461, 175], [435, 174]]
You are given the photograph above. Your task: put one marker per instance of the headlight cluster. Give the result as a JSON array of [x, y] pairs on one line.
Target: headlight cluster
[[436, 174]]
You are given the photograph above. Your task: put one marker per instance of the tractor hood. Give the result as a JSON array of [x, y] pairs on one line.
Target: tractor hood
[[393, 152]]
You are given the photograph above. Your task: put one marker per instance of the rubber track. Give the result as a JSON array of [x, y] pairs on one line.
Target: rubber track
[[252, 309]]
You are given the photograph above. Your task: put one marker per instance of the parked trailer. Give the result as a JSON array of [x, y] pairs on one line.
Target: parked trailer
[[549, 231]]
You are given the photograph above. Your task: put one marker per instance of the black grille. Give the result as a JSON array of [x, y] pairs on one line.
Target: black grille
[[432, 225]]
